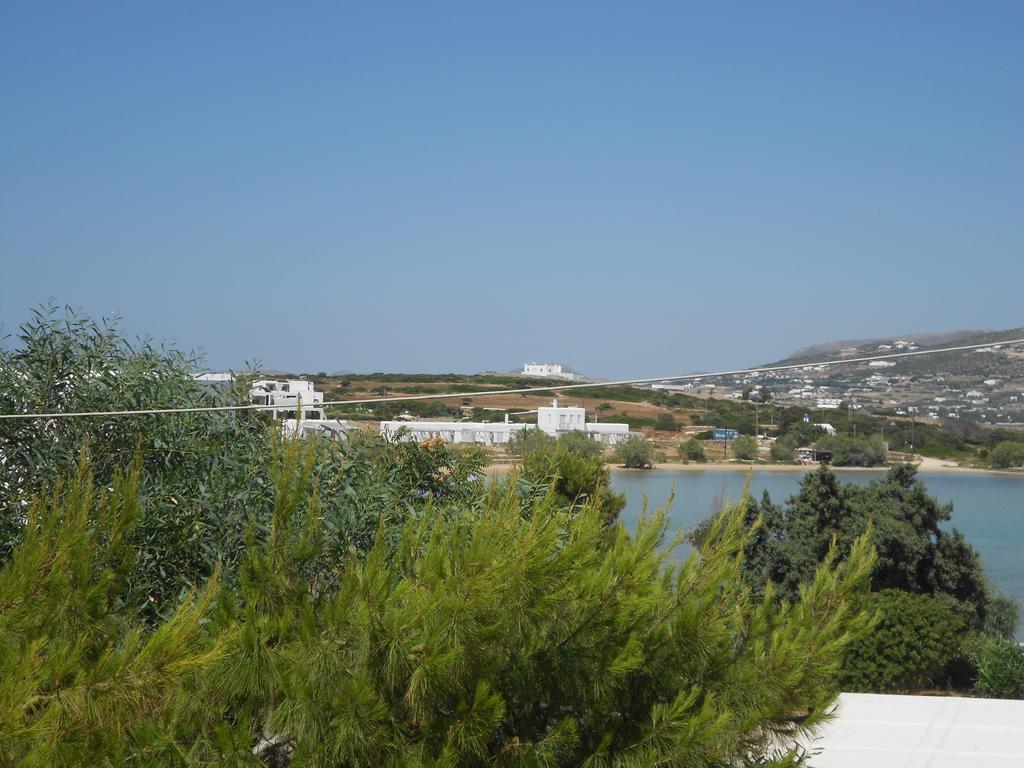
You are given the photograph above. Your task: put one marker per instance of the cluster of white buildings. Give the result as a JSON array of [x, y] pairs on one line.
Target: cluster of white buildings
[[552, 420], [299, 408]]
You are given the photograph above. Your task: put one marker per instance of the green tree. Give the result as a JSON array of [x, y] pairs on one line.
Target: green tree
[[1002, 617], [528, 440], [915, 552], [849, 451], [581, 444], [782, 450], [1007, 454], [205, 477], [802, 433], [744, 447], [692, 450], [999, 665], [497, 634], [915, 637], [635, 452], [572, 467]]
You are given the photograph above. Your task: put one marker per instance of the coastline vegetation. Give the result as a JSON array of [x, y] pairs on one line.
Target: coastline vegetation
[[195, 590]]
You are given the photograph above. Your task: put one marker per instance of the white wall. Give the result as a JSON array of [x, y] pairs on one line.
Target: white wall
[[553, 419], [478, 432]]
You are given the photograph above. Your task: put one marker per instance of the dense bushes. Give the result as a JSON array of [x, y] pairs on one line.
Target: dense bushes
[[909, 646], [204, 477], [915, 553], [744, 447], [513, 631], [939, 624], [573, 466], [850, 451], [635, 452], [999, 667], [1007, 454], [782, 450], [692, 450]]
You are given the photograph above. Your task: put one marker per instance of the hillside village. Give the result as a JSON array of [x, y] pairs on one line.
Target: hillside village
[[985, 385]]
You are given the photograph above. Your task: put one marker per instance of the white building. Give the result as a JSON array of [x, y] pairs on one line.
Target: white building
[[287, 396], [477, 432], [297, 396], [552, 420], [828, 403], [332, 429], [549, 371], [214, 378]]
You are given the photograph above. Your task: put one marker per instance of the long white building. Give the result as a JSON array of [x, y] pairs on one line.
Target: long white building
[[552, 420], [477, 432]]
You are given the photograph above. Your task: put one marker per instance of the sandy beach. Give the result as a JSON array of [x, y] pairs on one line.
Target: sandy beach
[[924, 464]]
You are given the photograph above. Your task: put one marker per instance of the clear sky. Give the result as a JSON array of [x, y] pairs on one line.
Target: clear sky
[[633, 188]]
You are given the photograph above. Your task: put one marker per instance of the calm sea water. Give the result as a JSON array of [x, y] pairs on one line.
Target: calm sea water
[[989, 509]]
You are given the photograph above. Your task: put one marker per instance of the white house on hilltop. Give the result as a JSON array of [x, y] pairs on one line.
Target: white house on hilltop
[[549, 371]]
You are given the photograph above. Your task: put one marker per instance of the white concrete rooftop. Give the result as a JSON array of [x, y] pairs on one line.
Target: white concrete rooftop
[[883, 731]]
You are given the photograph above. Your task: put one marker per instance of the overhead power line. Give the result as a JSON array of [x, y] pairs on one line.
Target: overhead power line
[[518, 391]]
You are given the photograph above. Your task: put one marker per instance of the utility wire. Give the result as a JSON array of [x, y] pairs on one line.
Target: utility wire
[[519, 391]]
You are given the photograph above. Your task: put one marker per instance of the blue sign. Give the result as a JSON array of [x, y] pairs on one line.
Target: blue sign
[[725, 434]]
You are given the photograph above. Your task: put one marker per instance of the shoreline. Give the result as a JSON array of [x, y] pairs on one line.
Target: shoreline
[[925, 465]]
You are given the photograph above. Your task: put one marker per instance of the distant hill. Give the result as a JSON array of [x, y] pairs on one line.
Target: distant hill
[[984, 384], [951, 338]]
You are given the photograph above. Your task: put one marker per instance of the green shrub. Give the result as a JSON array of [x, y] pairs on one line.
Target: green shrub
[[573, 466], [526, 441], [849, 451], [635, 452], [495, 633], [1007, 454], [581, 444], [908, 649], [917, 551], [1002, 617], [999, 665], [782, 450], [744, 447], [692, 450]]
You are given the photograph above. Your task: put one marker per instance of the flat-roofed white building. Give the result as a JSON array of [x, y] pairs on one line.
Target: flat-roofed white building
[[476, 432], [286, 397], [549, 371], [552, 420]]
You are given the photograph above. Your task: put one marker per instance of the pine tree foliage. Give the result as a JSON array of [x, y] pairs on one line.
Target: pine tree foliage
[[493, 632], [77, 678]]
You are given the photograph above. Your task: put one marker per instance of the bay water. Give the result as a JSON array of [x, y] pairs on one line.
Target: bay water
[[988, 508]]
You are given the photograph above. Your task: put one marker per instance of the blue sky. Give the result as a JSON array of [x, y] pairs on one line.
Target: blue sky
[[631, 188]]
